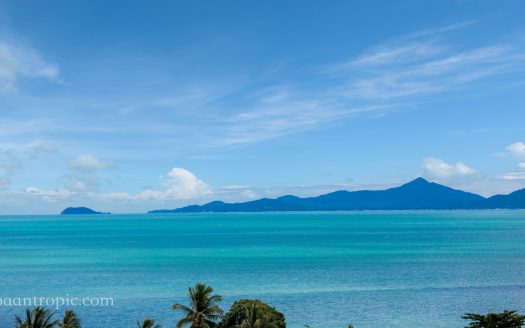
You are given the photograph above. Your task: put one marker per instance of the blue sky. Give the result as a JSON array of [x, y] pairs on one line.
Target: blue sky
[[127, 107]]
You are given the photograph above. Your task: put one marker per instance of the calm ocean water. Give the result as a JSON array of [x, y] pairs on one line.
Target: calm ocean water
[[372, 269]]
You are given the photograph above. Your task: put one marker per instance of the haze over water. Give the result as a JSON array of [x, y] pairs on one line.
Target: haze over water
[[371, 269]]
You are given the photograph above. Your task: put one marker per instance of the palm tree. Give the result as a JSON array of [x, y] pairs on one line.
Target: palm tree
[[148, 323], [36, 318], [255, 317], [70, 320], [203, 311], [506, 319]]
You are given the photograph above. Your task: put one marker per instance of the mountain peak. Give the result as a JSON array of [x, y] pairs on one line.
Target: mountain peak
[[418, 181]]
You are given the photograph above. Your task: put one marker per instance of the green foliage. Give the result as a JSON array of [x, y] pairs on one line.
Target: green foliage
[[252, 314], [148, 323], [36, 318], [506, 319], [307, 326], [203, 311], [70, 320]]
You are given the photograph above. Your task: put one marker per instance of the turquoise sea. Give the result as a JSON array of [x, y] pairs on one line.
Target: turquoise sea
[[373, 269]]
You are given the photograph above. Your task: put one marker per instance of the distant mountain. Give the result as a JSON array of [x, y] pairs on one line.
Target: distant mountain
[[79, 210], [513, 200], [418, 194]]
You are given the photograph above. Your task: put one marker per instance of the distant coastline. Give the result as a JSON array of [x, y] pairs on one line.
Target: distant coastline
[[418, 194]]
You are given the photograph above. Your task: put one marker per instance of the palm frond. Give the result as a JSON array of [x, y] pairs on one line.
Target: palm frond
[[184, 322]]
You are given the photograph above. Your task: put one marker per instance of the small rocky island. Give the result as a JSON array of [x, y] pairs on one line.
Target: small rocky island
[[79, 210]]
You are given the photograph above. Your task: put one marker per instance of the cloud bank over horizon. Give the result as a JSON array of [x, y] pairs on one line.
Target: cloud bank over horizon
[[181, 187]]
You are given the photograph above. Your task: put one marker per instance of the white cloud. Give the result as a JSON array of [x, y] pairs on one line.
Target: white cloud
[[514, 176], [521, 165], [439, 169], [20, 61], [517, 149], [180, 184], [249, 194], [116, 196], [183, 184], [89, 163], [83, 186]]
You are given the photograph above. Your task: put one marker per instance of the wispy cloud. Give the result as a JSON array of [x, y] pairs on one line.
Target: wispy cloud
[[14, 156], [285, 116], [413, 68], [84, 169], [21, 61], [386, 55], [422, 69], [437, 31], [49, 195], [203, 114], [514, 176], [89, 163], [516, 151]]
